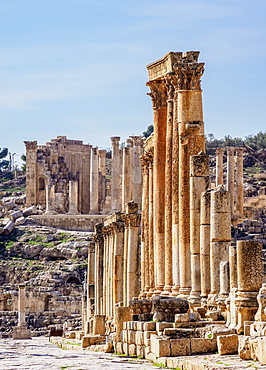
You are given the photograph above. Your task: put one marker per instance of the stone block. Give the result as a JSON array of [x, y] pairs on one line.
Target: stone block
[[247, 325], [140, 351], [182, 317], [194, 316], [147, 350], [124, 336], [160, 326], [147, 342], [139, 337], [119, 347], [140, 325], [227, 344], [131, 336], [179, 347], [99, 324], [132, 350], [203, 345], [149, 326], [261, 350], [170, 331], [125, 348], [21, 333], [135, 325], [160, 347]]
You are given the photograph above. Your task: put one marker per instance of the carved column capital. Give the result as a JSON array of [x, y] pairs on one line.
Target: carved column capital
[[30, 144], [171, 85], [158, 93], [189, 75], [239, 152], [219, 151]]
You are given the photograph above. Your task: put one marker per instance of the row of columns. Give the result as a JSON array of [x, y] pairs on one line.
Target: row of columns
[[126, 172], [178, 134], [113, 264], [234, 177]]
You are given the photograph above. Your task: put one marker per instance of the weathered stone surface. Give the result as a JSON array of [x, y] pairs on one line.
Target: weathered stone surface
[[227, 344], [168, 307]]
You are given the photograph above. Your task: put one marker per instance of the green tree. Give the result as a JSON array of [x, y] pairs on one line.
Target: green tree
[[257, 141], [4, 163], [148, 131], [23, 158]]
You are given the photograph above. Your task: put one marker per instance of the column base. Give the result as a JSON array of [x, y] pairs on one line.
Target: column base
[[175, 290], [150, 293], [158, 289], [184, 293], [194, 300], [73, 213], [167, 290], [21, 332], [50, 212]]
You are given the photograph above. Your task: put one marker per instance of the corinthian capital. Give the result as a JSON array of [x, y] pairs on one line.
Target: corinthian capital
[[170, 81], [158, 93], [189, 75]]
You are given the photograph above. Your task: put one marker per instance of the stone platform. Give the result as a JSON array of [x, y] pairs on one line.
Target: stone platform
[[69, 222]]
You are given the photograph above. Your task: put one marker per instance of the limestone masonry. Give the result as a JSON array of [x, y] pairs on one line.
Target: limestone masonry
[[176, 265]]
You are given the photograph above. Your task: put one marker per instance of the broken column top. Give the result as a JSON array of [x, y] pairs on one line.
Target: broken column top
[[166, 64]]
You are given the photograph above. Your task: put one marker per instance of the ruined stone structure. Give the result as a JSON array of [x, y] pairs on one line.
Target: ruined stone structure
[[70, 179]]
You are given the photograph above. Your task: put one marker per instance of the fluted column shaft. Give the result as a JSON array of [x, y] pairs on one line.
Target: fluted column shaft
[[151, 228], [230, 177], [239, 182]]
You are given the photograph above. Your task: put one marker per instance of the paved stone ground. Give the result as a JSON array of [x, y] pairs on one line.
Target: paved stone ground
[[39, 354]]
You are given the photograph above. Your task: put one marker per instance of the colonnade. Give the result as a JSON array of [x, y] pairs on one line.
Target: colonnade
[[178, 134]]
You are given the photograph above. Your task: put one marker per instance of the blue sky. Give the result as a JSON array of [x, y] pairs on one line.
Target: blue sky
[[78, 67]]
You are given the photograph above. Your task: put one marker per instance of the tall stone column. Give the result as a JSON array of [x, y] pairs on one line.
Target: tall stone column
[[102, 178], [118, 228], [169, 82], [31, 181], [116, 174], [126, 177], [249, 276], [151, 228], [145, 278], [175, 197], [133, 286], [94, 182], [230, 177], [73, 197], [158, 95], [219, 166], [239, 182], [199, 183], [220, 238], [21, 306], [50, 198], [99, 252], [136, 170], [91, 280], [191, 142], [102, 161], [205, 245]]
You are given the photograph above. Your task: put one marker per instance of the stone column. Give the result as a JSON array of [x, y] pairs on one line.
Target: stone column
[[126, 177], [118, 228], [151, 227], [191, 142], [199, 183], [249, 277], [239, 183], [31, 173], [94, 182], [230, 177], [91, 280], [158, 95], [99, 251], [136, 170], [233, 266], [175, 197], [102, 161], [219, 166], [116, 173], [21, 331], [73, 197], [224, 287], [145, 278], [133, 286], [102, 178], [21, 306], [169, 82], [205, 245], [50, 198], [220, 238]]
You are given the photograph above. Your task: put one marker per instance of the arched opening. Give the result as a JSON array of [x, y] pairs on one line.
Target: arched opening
[[41, 183], [73, 280]]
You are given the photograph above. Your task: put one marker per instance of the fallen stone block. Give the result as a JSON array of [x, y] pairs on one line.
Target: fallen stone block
[[160, 347], [180, 347], [227, 344], [203, 345], [8, 228]]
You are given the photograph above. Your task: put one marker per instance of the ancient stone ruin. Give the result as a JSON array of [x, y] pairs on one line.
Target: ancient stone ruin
[[175, 267]]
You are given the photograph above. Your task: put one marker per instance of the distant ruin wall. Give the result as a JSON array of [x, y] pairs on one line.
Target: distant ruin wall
[[70, 222]]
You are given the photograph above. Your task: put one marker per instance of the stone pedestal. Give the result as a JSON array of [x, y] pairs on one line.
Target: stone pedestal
[[50, 199], [249, 273]]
